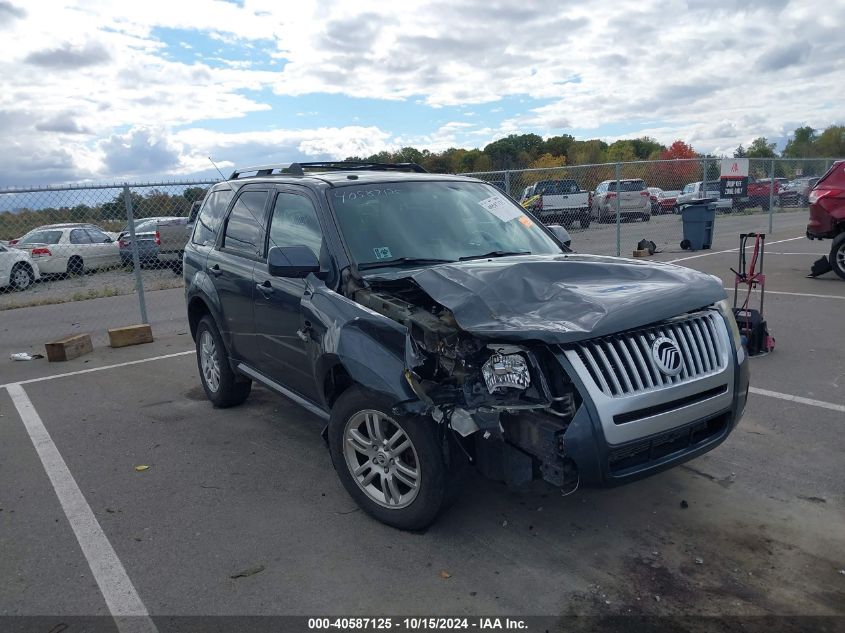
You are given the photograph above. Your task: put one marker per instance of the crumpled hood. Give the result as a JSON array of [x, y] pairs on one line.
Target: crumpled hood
[[561, 298]]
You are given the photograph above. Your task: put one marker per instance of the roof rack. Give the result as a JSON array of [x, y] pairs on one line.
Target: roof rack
[[298, 169]]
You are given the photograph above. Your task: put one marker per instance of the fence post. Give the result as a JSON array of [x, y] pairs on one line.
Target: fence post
[[136, 261], [508, 182], [772, 198], [618, 213]]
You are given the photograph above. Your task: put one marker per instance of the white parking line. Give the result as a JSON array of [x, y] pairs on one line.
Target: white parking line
[[792, 294], [785, 396], [730, 250], [93, 369], [121, 598]]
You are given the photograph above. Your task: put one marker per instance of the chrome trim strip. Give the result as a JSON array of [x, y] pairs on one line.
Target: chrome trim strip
[[272, 384]]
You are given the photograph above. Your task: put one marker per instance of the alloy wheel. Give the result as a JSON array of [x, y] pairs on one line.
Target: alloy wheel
[[382, 459], [21, 278], [209, 361]]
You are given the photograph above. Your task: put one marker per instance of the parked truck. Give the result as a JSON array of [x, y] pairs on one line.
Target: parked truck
[[560, 201]]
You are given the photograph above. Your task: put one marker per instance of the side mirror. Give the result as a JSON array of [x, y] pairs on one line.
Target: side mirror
[[108, 240], [292, 261], [561, 234]]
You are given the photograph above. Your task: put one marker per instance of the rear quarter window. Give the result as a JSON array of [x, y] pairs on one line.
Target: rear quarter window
[[211, 216]]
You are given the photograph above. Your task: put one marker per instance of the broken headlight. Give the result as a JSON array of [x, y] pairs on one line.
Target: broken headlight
[[506, 371]]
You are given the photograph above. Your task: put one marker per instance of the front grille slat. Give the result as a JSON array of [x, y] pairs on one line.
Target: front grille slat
[[623, 364], [622, 370]]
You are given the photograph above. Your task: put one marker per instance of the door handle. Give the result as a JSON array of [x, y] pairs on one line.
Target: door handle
[[266, 288], [215, 270]]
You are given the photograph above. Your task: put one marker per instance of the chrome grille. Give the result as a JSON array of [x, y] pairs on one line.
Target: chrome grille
[[622, 364]]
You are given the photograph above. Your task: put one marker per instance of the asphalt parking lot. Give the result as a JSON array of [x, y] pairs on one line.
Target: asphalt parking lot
[[239, 511]]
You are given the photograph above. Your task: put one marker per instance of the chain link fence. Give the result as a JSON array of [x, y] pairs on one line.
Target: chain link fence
[[83, 259], [609, 208], [91, 257]]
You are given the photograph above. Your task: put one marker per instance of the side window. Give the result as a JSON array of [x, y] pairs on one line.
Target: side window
[[245, 228], [79, 236], [97, 237], [210, 216], [295, 223]]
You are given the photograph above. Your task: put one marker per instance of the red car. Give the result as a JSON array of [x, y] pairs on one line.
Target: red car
[[666, 201], [827, 214]]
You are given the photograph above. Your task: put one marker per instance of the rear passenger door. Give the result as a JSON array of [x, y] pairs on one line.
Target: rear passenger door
[[230, 267], [81, 246], [282, 334]]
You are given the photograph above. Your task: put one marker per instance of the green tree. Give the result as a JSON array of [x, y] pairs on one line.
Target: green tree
[[740, 152], [646, 148], [621, 151], [761, 148], [509, 152], [558, 145], [192, 194], [587, 152], [831, 142], [802, 144]]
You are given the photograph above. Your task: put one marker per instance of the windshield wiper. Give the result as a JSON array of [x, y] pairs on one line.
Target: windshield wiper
[[494, 254], [400, 261]]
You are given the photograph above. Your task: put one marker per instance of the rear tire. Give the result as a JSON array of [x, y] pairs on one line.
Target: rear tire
[[222, 385], [585, 221], [646, 218], [837, 255], [360, 424], [75, 266], [22, 276]]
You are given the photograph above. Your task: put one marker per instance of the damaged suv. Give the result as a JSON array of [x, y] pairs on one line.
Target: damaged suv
[[434, 323]]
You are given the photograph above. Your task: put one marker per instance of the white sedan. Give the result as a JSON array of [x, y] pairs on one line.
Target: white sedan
[[70, 248], [17, 270]]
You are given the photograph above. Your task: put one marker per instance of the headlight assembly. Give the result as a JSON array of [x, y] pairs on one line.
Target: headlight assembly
[[506, 371]]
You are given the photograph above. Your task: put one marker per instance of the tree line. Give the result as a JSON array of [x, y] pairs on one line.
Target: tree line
[[518, 151], [109, 215]]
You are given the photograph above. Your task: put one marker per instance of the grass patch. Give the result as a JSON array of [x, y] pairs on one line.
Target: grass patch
[[94, 293]]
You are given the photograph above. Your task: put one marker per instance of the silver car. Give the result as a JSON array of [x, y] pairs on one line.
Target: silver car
[[634, 200]]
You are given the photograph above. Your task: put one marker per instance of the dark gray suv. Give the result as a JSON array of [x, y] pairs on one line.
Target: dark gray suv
[[434, 323]]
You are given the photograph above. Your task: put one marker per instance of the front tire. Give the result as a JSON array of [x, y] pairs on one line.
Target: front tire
[[222, 386], [837, 255], [394, 467], [22, 276], [585, 221]]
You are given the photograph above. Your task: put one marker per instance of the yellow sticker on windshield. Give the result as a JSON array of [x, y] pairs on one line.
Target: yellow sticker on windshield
[[524, 220]]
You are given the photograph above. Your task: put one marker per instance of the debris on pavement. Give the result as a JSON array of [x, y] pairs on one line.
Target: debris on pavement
[[699, 561], [684, 504], [249, 571], [141, 468], [445, 574], [25, 356]]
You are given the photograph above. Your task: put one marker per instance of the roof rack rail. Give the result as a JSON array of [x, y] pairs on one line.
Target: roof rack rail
[[298, 169], [346, 165]]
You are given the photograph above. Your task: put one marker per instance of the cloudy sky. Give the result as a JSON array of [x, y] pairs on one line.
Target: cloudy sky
[[105, 90]]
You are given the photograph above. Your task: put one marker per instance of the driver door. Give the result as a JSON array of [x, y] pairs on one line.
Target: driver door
[[282, 336]]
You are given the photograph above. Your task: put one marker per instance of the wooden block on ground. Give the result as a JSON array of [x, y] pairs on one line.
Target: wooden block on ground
[[130, 335], [643, 253], [68, 348]]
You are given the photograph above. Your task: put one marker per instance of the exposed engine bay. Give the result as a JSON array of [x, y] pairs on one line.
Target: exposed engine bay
[[508, 405]]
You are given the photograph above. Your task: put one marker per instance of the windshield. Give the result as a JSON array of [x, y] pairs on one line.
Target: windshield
[[444, 221]]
